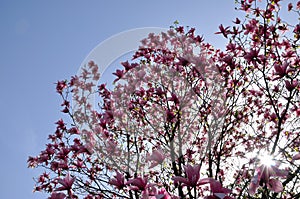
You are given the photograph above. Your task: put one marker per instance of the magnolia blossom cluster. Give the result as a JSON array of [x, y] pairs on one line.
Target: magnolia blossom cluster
[[186, 120]]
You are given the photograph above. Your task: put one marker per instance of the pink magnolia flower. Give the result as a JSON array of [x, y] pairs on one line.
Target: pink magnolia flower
[[66, 183], [282, 70], [264, 177], [148, 190], [237, 21], [218, 192], [192, 176], [119, 74], [180, 29], [156, 158], [60, 86], [138, 183], [74, 131], [129, 66], [223, 31], [60, 125], [160, 92], [118, 181], [252, 55], [290, 86], [170, 116], [57, 195], [174, 98], [152, 193], [162, 194], [78, 164]]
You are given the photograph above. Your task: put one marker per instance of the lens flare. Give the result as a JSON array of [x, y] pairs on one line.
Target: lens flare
[[267, 160]]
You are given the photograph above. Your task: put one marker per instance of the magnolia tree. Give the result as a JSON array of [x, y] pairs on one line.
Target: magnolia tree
[[186, 120]]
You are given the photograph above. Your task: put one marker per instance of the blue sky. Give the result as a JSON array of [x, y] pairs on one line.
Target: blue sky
[[45, 41]]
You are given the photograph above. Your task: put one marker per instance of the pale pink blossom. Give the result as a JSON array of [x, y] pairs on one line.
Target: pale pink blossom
[[156, 158]]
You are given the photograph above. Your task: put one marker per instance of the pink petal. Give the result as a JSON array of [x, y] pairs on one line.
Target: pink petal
[[56, 195], [275, 185], [205, 181], [180, 179], [153, 164], [253, 185], [296, 157], [225, 190], [215, 186]]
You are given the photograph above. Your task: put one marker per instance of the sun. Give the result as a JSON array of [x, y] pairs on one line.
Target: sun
[[266, 160]]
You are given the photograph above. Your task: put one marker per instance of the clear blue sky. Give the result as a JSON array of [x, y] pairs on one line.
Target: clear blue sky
[[45, 41]]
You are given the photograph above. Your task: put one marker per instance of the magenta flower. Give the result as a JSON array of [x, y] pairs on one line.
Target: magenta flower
[[66, 183], [162, 194], [159, 91], [282, 70], [60, 86], [118, 181], [223, 31], [174, 98], [252, 55], [57, 195], [192, 176], [237, 21], [119, 74], [264, 177], [156, 158], [290, 86], [170, 116], [218, 192], [152, 193], [138, 183], [128, 66]]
